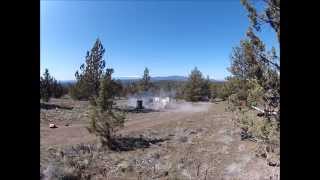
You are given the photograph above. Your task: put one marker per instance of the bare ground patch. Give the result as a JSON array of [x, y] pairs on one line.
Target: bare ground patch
[[197, 145]]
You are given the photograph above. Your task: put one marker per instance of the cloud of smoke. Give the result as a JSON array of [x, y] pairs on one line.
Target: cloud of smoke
[[183, 106], [165, 101]]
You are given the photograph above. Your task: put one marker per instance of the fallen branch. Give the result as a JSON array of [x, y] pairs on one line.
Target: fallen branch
[[262, 111]]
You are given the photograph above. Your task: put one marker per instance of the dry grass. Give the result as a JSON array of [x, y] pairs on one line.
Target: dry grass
[[196, 145]]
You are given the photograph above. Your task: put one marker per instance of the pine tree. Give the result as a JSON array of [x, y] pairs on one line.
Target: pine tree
[[88, 80], [104, 121], [270, 15], [145, 83], [107, 92], [256, 78], [206, 88], [57, 89], [119, 89], [46, 86], [194, 87]]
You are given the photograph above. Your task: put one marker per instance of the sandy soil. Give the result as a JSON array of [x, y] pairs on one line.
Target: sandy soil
[[208, 137]]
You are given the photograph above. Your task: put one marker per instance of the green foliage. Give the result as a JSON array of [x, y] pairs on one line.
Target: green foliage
[[57, 89], [196, 87], [258, 127], [119, 89], [256, 78], [88, 80], [104, 121], [232, 86], [205, 91], [255, 93], [79, 91], [107, 92], [145, 84], [49, 87], [46, 86], [270, 15]]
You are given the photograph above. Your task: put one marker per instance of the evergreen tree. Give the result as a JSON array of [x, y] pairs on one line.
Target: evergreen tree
[[145, 83], [194, 87], [252, 63], [46, 86], [119, 89], [270, 15], [57, 89], [256, 78], [206, 88], [104, 121], [107, 92], [88, 80]]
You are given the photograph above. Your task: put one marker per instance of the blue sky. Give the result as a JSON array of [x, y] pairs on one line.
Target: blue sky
[[168, 37]]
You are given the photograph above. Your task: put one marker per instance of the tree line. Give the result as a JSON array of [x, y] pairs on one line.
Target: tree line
[[50, 87]]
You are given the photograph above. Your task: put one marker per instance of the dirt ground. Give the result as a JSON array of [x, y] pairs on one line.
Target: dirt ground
[[195, 144]]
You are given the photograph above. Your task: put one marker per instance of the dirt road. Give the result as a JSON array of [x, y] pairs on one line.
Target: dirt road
[[209, 135]]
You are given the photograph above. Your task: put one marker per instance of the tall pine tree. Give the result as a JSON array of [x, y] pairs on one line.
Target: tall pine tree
[[145, 83], [194, 87], [46, 86], [88, 80], [104, 120]]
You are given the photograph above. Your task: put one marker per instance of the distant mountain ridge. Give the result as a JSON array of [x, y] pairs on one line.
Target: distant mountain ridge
[[155, 78]]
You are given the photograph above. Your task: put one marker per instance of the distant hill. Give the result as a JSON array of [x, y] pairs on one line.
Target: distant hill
[[156, 78], [153, 79], [173, 78]]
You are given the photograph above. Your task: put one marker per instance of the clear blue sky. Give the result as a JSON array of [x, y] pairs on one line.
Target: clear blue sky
[[168, 37]]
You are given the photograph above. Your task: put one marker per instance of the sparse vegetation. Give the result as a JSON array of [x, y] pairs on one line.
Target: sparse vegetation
[[188, 139]]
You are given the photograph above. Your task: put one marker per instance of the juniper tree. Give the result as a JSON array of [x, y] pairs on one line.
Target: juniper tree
[[251, 62], [258, 71], [88, 79], [270, 15]]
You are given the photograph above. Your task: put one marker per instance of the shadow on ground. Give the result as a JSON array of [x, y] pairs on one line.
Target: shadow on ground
[[133, 143], [53, 106], [135, 110]]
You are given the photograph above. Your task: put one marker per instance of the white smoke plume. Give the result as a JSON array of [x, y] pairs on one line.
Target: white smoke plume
[[165, 101]]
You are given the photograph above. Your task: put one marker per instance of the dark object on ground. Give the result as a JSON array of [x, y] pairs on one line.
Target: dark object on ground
[[135, 110], [273, 164], [139, 104], [53, 106], [245, 135], [132, 143]]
